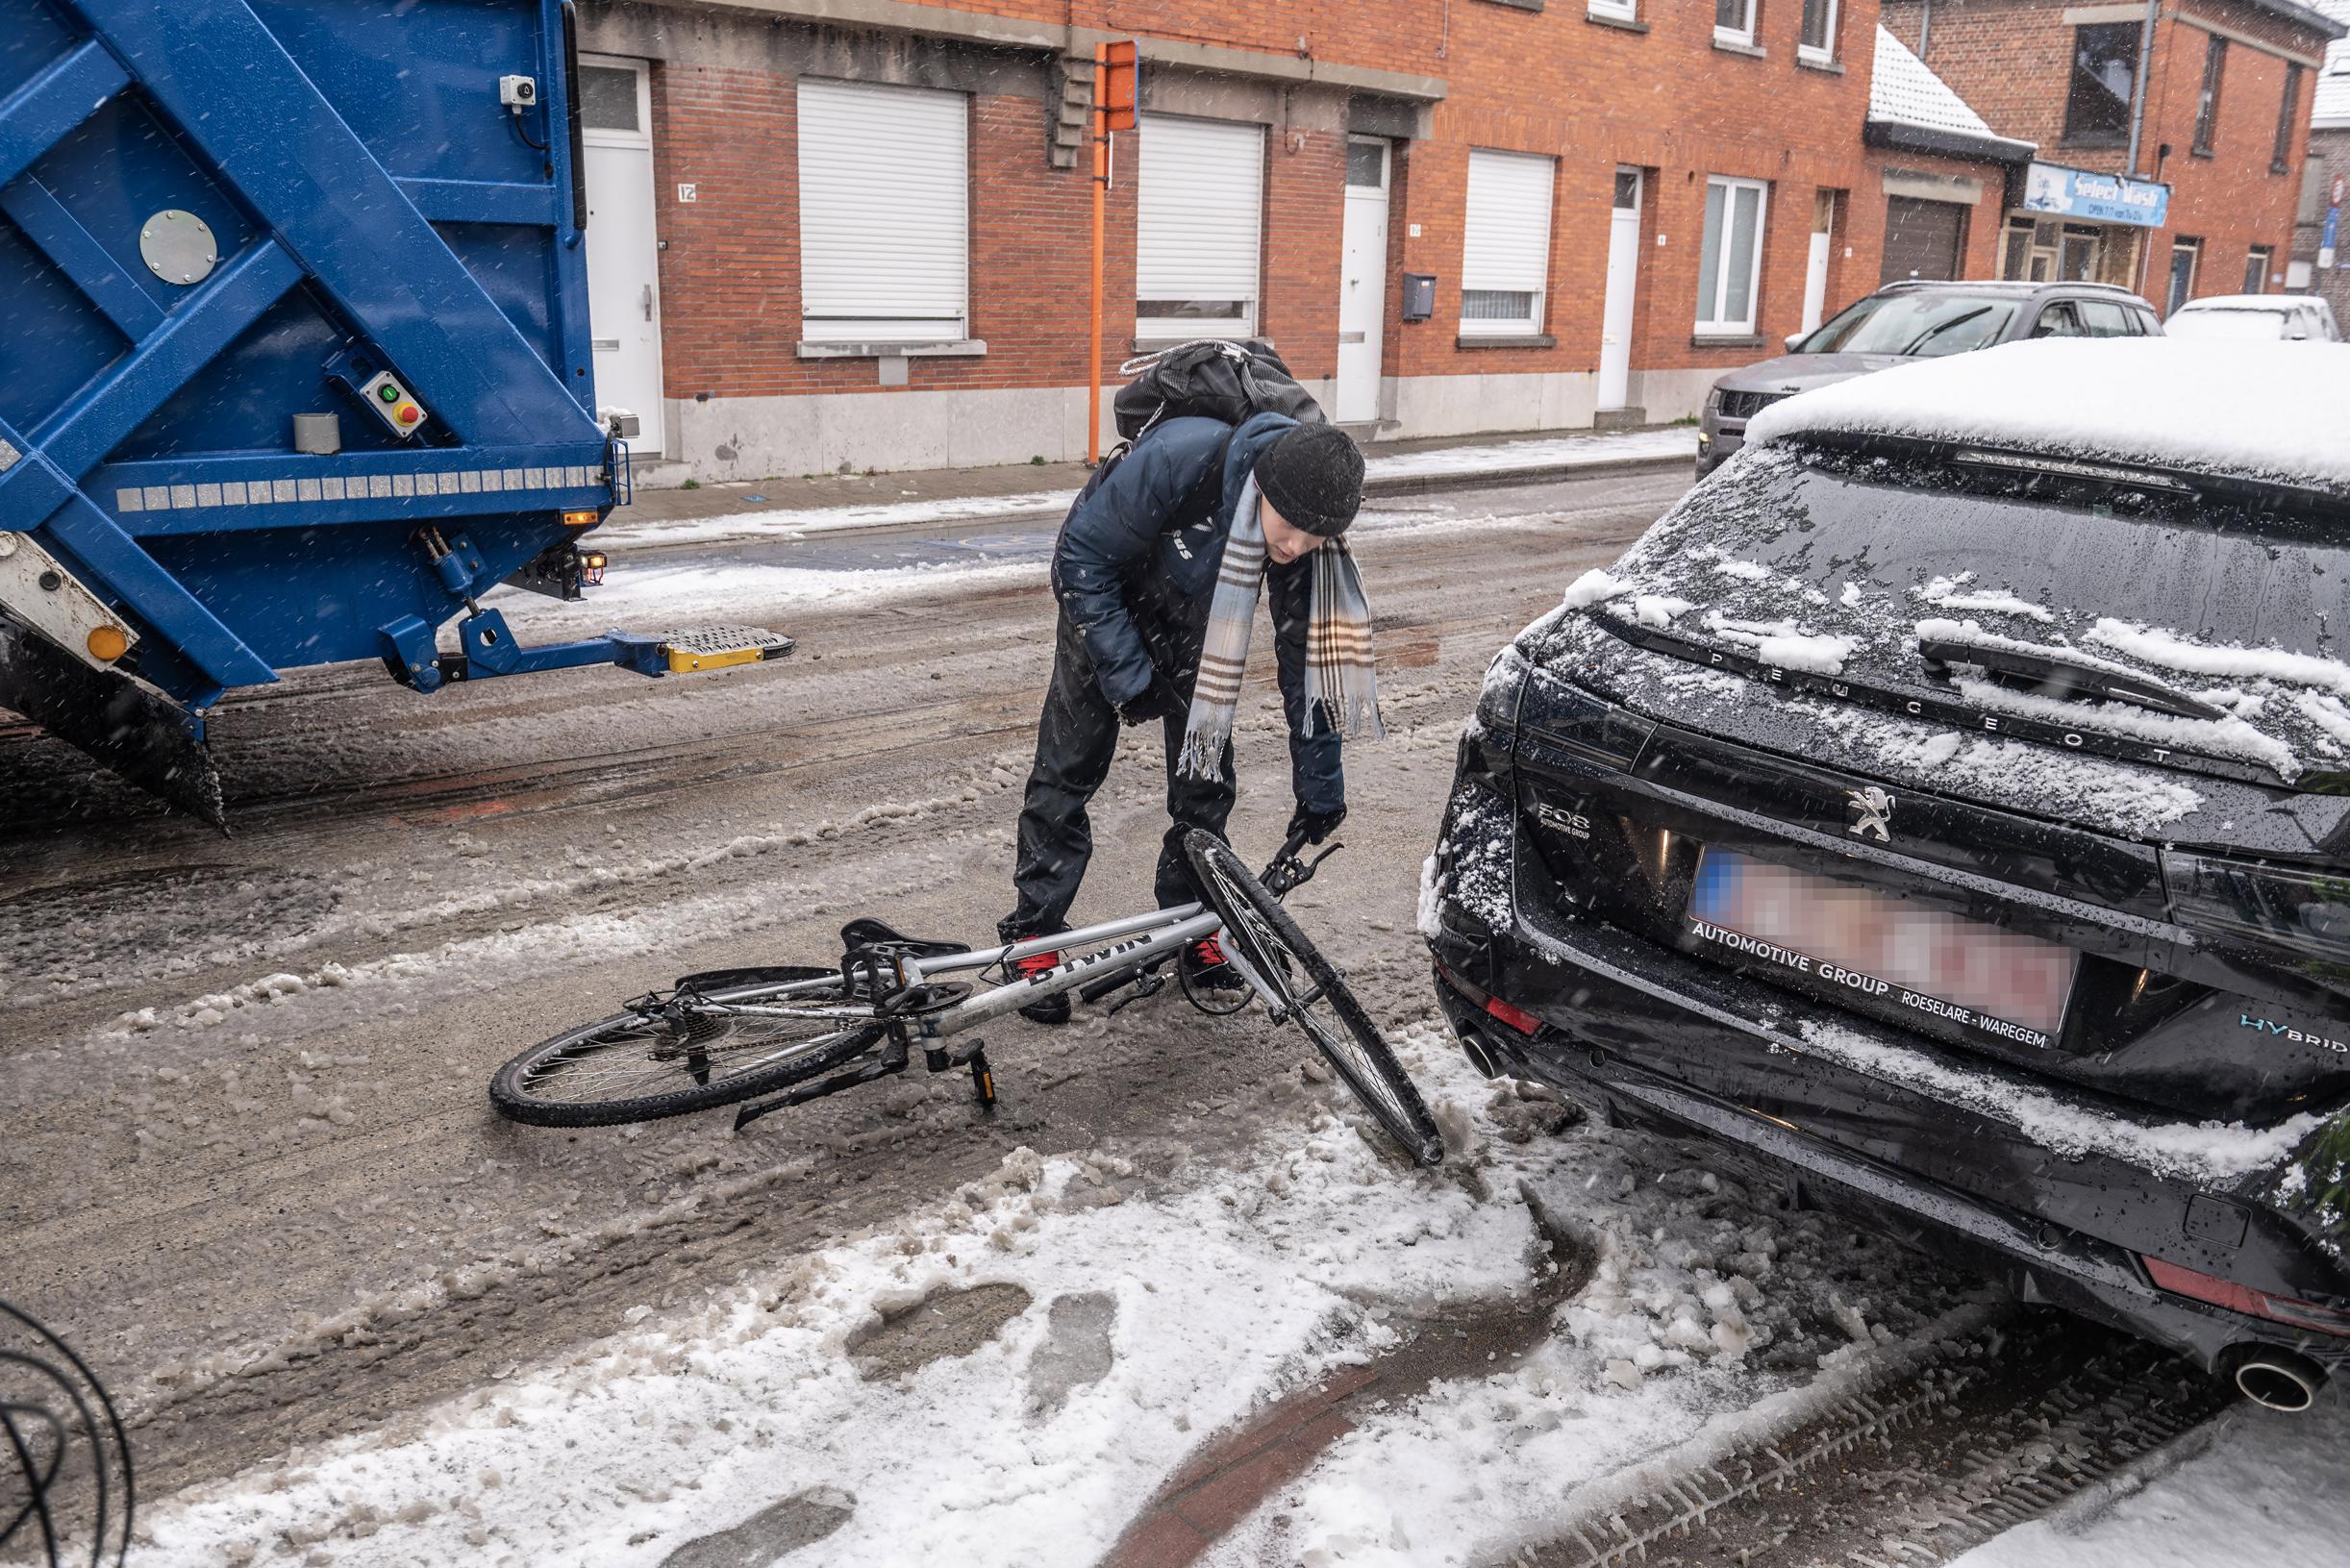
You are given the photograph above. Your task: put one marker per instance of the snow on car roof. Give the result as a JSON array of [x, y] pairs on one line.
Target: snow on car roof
[[2271, 412], [2277, 303]]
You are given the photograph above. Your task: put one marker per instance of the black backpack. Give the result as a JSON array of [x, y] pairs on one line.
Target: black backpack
[[1213, 378]]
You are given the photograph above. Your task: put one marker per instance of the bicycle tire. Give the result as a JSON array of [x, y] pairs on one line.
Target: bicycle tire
[[511, 1087], [1256, 923]]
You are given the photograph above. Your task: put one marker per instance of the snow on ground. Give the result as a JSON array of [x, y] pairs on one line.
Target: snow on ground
[[1232, 1287], [623, 530], [2255, 1487]]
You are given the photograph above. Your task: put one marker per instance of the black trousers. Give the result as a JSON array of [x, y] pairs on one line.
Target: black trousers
[[1076, 739]]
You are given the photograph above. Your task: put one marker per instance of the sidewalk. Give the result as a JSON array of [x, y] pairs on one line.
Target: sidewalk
[[824, 503]]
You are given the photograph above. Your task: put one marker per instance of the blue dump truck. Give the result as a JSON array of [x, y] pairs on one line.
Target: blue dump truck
[[294, 359]]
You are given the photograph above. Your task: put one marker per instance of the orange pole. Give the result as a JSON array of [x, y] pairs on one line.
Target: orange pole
[[1101, 184]]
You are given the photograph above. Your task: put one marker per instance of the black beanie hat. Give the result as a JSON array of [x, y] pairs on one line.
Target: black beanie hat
[[1313, 475]]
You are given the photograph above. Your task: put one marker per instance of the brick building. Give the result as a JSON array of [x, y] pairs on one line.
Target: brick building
[[2170, 155], [856, 233], [2329, 162]]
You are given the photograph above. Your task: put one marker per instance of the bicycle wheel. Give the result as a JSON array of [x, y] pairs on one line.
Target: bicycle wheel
[[703, 1049], [1314, 994]]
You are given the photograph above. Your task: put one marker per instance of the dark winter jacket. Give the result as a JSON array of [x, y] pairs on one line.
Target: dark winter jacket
[[1135, 567]]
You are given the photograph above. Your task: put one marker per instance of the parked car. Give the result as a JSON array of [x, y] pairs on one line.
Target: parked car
[[1913, 320], [2292, 317], [1946, 809]]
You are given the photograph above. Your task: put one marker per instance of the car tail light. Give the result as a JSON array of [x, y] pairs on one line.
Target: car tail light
[[1504, 681], [2312, 1316], [1493, 1007], [2306, 912]]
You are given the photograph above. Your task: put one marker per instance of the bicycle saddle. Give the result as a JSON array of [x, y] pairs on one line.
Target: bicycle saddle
[[867, 932]]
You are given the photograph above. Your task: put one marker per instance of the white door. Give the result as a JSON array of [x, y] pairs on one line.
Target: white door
[[1815, 266], [1362, 289], [1624, 280], [623, 267]]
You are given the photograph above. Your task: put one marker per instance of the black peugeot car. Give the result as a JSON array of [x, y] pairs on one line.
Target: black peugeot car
[[1947, 808]]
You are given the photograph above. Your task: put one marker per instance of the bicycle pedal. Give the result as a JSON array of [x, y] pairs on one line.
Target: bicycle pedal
[[983, 1080]]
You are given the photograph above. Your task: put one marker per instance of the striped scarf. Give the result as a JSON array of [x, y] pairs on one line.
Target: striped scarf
[[1341, 680]]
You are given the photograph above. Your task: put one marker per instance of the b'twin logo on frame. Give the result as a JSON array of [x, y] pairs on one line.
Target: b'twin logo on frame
[[2286, 1031]]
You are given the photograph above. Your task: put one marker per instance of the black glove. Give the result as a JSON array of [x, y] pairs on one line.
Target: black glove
[[1317, 826], [1157, 701]]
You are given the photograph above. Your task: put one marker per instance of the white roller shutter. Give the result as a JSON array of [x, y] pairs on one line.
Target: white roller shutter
[[1201, 197], [885, 192], [1504, 254]]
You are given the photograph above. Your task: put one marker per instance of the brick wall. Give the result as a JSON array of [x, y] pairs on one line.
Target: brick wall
[[2012, 60], [2329, 154]]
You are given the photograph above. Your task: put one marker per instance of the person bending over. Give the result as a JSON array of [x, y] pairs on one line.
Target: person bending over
[[1158, 573]]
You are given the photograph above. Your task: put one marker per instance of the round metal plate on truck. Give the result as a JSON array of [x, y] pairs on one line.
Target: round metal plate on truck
[[178, 247]]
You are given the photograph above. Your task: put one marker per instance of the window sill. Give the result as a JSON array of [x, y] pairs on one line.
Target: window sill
[[1517, 5], [1498, 339], [1819, 62], [2280, 169], [2099, 142], [1628, 24], [2207, 154], [1161, 342], [1731, 339], [928, 348], [1733, 46]]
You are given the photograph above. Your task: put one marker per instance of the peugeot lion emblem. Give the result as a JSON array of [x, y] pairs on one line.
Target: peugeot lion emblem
[[1876, 809]]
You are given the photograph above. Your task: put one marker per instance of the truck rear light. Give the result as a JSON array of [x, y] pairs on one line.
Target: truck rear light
[[2313, 1316], [1493, 1007]]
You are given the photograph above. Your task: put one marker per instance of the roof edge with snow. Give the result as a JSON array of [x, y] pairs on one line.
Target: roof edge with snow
[[1912, 110]]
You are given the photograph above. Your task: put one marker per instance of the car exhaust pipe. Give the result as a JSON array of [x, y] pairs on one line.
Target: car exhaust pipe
[[2278, 1380]]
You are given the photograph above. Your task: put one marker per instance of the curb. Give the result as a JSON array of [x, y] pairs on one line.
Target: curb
[[1396, 485]]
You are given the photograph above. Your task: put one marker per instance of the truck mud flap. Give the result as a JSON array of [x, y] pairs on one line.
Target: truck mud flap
[[147, 739]]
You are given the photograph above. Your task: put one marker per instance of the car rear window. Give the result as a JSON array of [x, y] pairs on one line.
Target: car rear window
[[1920, 324], [1839, 563]]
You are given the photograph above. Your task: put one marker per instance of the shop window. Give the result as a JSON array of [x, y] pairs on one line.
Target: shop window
[[2207, 104], [2288, 115], [2186, 256], [2256, 268], [884, 179], [1733, 22], [1730, 256], [1818, 42], [2104, 76], [1505, 252]]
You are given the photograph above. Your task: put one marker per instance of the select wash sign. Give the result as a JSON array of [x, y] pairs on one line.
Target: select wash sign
[[2101, 198]]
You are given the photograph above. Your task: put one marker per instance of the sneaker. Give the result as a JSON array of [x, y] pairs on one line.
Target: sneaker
[[1205, 967], [1045, 1009]]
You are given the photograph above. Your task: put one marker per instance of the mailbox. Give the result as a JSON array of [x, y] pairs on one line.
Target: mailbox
[[1419, 295]]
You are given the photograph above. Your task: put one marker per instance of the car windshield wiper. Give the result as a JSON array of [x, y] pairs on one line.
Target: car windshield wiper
[[1940, 328], [2062, 674]]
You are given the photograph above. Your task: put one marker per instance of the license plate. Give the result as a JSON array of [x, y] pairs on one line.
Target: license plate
[[1873, 944]]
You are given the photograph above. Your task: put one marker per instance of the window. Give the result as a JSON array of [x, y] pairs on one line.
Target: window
[[2104, 73], [1817, 42], [1622, 11], [2105, 318], [2288, 113], [1198, 228], [1505, 257], [2057, 320], [1733, 22], [2256, 268], [885, 188], [1730, 258], [611, 98], [2185, 255], [2207, 105]]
